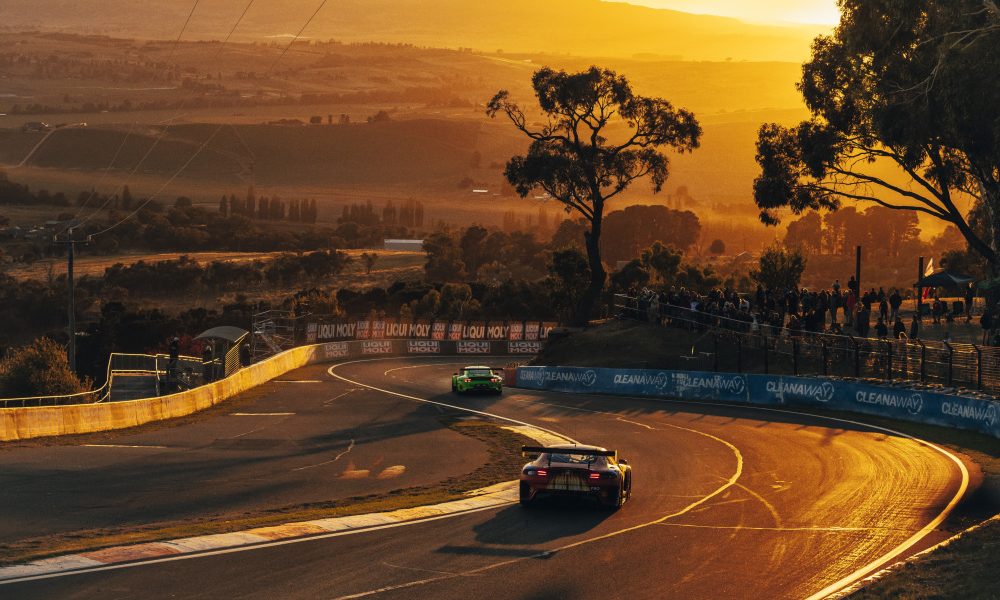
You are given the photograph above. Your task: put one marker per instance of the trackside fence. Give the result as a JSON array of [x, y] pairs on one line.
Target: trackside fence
[[922, 406], [745, 345]]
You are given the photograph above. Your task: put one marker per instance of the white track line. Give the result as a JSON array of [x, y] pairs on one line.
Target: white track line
[[895, 552]]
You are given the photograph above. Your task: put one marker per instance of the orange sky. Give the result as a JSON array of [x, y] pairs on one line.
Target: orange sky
[[823, 12]]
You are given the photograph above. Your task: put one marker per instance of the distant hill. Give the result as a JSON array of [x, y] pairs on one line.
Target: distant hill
[[579, 27]]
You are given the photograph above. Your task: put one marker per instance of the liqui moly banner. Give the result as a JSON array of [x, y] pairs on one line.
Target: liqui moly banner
[[423, 347], [363, 331], [531, 330], [439, 330], [475, 330], [455, 330], [515, 331], [497, 330], [378, 329]]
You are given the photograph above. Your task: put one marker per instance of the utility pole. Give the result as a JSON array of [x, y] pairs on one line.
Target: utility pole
[[857, 272], [920, 290], [71, 300]]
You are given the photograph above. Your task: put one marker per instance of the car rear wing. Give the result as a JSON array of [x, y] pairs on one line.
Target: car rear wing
[[526, 450]]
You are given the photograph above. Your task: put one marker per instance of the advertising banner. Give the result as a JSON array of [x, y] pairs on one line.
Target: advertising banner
[[515, 331], [524, 347], [312, 332], [439, 330], [773, 390], [531, 332], [472, 347], [423, 347], [475, 330], [363, 330], [336, 350], [378, 329], [546, 328], [455, 330], [497, 331], [376, 347]]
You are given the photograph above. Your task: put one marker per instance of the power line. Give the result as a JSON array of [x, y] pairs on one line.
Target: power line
[[166, 129], [217, 129], [183, 29]]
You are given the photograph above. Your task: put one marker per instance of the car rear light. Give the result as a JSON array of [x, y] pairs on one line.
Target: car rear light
[[467, 380], [594, 475], [542, 473]]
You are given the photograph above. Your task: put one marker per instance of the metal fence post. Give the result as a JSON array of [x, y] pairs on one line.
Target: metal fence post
[[951, 362], [739, 354], [888, 365], [979, 367], [823, 345], [795, 356], [923, 361], [857, 357], [715, 355]]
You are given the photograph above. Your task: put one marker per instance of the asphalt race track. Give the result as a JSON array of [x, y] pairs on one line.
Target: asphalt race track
[[728, 502]]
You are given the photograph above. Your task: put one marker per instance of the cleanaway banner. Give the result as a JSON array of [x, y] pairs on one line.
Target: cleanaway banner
[[773, 390]]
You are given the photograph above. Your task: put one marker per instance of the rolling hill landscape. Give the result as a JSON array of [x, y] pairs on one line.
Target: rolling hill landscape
[[555, 26]]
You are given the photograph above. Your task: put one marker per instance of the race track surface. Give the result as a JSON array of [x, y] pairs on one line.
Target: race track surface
[[729, 502]]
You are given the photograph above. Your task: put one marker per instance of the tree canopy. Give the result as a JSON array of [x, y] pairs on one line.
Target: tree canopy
[[573, 159], [904, 115]]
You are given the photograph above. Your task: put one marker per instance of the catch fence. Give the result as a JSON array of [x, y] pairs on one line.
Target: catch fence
[[724, 344]]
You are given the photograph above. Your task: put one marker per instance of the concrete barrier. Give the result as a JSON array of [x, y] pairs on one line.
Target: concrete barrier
[[903, 403], [45, 421]]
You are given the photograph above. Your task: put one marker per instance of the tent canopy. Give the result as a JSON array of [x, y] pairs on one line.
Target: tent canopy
[[233, 335], [945, 279]]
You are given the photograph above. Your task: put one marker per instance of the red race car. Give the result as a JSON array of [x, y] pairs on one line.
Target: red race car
[[573, 469]]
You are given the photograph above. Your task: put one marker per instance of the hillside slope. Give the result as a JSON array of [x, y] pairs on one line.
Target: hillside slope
[[555, 26]]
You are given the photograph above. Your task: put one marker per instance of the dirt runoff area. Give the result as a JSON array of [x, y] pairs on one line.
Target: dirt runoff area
[[966, 568]]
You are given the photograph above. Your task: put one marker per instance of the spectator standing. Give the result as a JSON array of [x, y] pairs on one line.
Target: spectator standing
[[895, 301], [883, 307], [915, 328], [881, 329], [206, 363], [898, 329]]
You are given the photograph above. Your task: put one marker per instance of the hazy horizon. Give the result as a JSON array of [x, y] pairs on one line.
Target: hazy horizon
[[770, 12]]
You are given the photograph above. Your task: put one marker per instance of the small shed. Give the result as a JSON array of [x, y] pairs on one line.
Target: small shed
[[944, 279], [226, 342]]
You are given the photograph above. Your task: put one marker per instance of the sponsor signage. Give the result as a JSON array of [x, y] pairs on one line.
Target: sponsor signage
[[311, 330], [423, 347], [472, 347], [455, 330], [376, 347], [497, 331], [378, 329], [474, 331], [546, 328], [922, 406], [363, 331], [531, 330], [334, 331], [516, 331], [336, 350], [524, 347], [439, 330]]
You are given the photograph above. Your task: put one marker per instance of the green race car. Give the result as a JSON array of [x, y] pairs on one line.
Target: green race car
[[477, 379]]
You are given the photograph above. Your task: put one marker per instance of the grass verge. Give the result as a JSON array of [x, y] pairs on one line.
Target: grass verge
[[503, 447]]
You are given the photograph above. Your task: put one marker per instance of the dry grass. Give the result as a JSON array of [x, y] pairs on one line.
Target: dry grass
[[504, 461]]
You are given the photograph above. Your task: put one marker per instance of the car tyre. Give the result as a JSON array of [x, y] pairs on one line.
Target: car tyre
[[524, 495]]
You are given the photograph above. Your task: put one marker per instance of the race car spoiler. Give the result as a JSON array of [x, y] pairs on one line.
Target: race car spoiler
[[543, 450]]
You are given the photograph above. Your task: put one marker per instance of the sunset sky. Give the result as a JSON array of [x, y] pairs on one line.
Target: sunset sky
[[758, 11]]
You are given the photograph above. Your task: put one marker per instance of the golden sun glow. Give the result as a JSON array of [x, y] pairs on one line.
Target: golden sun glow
[[777, 12]]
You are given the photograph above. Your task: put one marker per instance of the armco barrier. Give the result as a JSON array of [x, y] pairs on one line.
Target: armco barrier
[[32, 422], [921, 406]]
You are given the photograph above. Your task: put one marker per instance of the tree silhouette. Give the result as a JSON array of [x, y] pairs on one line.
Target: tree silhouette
[[573, 160], [904, 115]]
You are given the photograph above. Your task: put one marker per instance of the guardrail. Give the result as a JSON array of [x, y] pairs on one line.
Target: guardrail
[[923, 406], [739, 345], [38, 421], [188, 374]]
